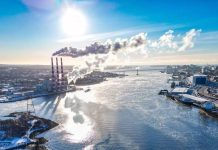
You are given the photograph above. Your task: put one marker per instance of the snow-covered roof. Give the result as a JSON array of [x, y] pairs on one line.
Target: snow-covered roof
[[180, 90], [197, 99], [200, 75]]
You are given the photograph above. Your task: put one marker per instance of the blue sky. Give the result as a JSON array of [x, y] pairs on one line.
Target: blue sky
[[30, 29]]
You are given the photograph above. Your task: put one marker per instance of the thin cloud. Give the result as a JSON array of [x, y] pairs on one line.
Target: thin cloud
[[103, 36], [208, 37]]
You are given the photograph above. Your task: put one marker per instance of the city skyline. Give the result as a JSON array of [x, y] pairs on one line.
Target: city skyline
[[32, 30]]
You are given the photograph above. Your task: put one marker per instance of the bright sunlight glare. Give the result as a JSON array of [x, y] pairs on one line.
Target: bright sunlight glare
[[73, 22]]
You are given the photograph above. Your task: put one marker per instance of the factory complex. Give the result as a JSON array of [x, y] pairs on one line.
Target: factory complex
[[57, 83]]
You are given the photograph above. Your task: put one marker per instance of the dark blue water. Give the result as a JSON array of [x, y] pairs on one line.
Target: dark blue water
[[123, 113]]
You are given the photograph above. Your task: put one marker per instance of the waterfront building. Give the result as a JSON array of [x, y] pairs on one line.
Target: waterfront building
[[179, 90], [46, 86], [199, 80], [193, 98]]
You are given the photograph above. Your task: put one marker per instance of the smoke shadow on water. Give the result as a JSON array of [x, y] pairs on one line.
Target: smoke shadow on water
[[81, 107], [118, 129]]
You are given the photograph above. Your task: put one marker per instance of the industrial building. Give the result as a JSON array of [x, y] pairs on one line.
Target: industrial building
[[180, 90], [58, 81], [199, 80]]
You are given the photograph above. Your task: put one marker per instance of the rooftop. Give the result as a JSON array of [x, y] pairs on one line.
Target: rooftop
[[200, 75], [197, 99], [180, 90]]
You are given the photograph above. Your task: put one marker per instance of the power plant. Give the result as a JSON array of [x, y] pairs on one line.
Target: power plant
[[59, 81], [56, 84]]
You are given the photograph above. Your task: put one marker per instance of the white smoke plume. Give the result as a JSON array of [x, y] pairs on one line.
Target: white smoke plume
[[137, 45], [90, 65], [188, 39], [104, 48], [167, 40]]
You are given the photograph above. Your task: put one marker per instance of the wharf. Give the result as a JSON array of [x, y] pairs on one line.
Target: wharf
[[37, 95], [198, 102], [203, 93]]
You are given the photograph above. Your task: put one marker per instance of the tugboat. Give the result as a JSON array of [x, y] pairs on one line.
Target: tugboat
[[163, 92]]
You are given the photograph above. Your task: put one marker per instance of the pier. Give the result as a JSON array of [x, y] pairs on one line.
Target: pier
[[21, 98]]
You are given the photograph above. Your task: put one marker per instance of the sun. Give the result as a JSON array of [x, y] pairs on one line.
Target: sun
[[73, 22]]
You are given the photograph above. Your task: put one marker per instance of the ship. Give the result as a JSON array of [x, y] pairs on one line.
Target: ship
[[184, 100], [209, 108]]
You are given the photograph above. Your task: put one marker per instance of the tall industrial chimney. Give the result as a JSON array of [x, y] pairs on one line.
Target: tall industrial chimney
[[63, 79], [57, 74], [53, 76], [52, 67], [62, 70], [62, 75]]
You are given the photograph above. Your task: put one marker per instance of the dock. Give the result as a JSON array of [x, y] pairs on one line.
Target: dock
[[207, 106], [37, 95]]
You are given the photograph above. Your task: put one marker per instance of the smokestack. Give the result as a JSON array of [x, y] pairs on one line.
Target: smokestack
[[52, 67], [57, 74], [53, 76], [62, 75], [62, 70]]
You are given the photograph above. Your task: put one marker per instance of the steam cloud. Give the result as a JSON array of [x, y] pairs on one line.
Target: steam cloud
[[188, 39], [104, 48], [98, 53], [167, 40]]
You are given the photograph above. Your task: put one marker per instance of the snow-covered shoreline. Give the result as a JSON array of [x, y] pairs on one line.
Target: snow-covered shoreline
[[21, 129]]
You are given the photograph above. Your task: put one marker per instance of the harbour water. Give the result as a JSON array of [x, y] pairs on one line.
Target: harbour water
[[123, 113]]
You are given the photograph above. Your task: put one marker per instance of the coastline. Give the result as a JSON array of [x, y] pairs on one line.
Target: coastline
[[21, 130]]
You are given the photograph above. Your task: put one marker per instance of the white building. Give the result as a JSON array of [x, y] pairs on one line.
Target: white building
[[179, 90]]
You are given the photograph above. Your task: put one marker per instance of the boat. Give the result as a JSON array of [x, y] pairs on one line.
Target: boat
[[137, 72], [87, 90], [184, 100], [163, 92], [212, 113]]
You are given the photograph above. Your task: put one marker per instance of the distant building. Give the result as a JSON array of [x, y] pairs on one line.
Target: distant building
[[199, 80], [202, 70], [170, 69]]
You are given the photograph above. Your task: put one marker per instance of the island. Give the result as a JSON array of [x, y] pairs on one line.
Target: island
[[96, 77]]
